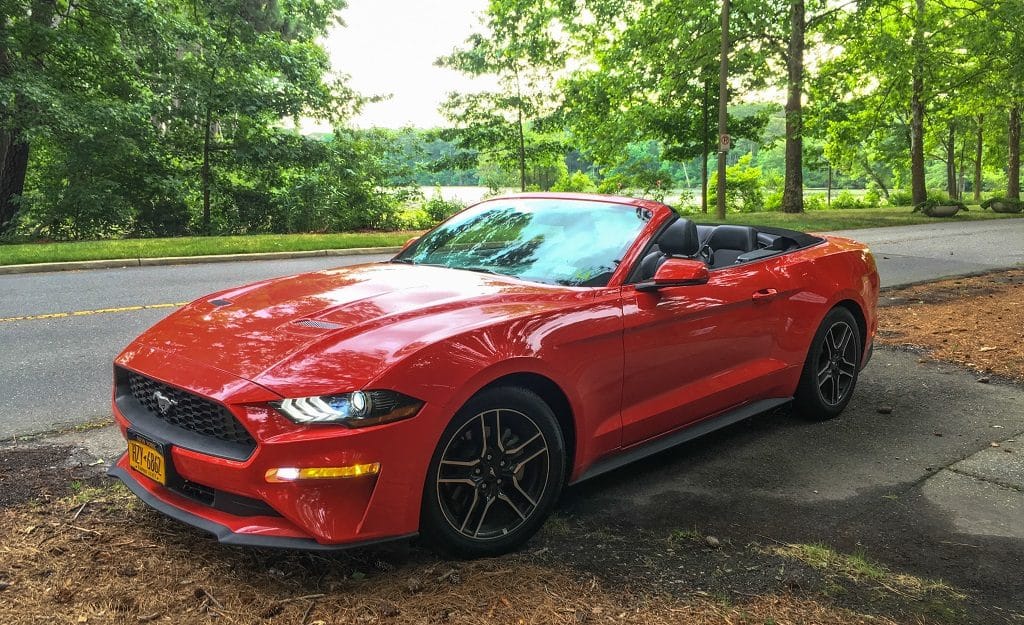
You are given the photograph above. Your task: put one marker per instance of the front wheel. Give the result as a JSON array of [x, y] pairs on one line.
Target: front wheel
[[495, 475], [830, 372]]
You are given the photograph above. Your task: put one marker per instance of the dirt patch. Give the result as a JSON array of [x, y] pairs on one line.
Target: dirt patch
[[43, 473], [975, 322], [111, 560]]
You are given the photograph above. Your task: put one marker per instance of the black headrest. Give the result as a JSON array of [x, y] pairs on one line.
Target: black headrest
[[727, 237], [680, 239]]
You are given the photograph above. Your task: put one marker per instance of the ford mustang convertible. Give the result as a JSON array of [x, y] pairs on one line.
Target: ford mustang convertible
[[527, 343]]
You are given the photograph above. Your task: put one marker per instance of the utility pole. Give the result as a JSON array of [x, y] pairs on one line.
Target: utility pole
[[723, 111]]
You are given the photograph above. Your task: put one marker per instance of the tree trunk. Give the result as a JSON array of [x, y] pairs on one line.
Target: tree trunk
[[951, 185], [522, 153], [723, 111], [828, 191], [918, 191], [793, 188], [978, 146], [12, 179], [1013, 171], [204, 173], [705, 147], [874, 176], [521, 134]]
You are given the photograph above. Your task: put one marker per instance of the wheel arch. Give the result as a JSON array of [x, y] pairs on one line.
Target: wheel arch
[[552, 394], [858, 315]]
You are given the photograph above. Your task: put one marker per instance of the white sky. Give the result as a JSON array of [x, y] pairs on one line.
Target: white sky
[[389, 47]]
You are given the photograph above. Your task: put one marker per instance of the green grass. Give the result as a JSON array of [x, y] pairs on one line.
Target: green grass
[[848, 219], [24, 253]]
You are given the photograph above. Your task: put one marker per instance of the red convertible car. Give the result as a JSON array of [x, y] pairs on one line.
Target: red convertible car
[[527, 343]]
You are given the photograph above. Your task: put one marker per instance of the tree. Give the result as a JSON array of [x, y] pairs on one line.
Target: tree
[[66, 73], [506, 124]]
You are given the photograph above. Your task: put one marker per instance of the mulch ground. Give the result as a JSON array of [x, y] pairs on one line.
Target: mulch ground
[[102, 557], [976, 322]]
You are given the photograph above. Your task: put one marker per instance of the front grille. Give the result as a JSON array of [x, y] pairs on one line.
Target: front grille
[[197, 492], [224, 501], [196, 422]]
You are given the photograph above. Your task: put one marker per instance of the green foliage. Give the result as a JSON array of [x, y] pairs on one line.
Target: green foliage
[[900, 197], [576, 182], [872, 198], [815, 202], [439, 209], [845, 200], [744, 187], [138, 112]]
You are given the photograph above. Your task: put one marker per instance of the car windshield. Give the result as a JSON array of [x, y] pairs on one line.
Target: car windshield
[[553, 241]]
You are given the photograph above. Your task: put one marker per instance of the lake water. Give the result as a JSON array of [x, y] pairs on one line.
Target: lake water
[[472, 195]]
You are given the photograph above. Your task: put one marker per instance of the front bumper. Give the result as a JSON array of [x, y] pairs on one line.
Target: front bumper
[[315, 514], [249, 536]]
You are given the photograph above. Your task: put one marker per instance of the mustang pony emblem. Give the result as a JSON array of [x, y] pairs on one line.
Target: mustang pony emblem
[[163, 402]]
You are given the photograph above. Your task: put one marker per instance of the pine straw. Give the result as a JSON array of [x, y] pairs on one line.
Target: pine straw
[[975, 322], [113, 561]]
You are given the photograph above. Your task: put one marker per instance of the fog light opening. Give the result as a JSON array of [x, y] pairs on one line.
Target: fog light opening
[[294, 474]]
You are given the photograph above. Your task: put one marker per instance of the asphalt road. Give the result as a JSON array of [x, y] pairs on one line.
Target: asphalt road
[[56, 371], [907, 254]]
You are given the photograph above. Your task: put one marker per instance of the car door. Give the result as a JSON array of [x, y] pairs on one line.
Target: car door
[[691, 352]]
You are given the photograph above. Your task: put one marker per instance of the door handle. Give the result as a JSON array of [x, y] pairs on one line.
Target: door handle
[[764, 295]]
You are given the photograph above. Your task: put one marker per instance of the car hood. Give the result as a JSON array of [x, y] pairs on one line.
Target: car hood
[[287, 323]]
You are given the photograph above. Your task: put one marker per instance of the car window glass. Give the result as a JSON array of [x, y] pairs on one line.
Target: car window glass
[[554, 241]]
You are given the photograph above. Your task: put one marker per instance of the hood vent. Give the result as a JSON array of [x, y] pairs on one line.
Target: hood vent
[[320, 325]]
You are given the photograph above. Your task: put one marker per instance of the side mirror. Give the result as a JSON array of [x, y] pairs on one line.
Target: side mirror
[[676, 272], [409, 242]]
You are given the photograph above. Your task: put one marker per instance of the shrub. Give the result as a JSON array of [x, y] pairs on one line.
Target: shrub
[[815, 202], [438, 209], [773, 201], [577, 182], [872, 198], [846, 199], [744, 187], [900, 197]]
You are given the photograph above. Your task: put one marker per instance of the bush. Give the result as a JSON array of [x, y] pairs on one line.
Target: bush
[[815, 202], [773, 201], [845, 200], [899, 197], [744, 187], [438, 209], [872, 198], [577, 182]]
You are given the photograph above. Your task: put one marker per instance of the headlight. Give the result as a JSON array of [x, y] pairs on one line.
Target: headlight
[[358, 409]]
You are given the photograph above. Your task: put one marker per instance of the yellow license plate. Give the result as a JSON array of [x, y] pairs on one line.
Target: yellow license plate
[[147, 460]]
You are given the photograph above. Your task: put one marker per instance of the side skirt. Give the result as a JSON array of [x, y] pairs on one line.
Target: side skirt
[[679, 437]]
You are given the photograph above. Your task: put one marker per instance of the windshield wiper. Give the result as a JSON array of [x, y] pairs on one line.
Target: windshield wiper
[[482, 270]]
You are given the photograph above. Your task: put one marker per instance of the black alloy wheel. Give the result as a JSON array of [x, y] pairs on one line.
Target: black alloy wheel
[[833, 364], [496, 473]]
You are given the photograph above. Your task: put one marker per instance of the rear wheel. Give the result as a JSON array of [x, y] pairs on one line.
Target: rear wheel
[[495, 475], [830, 372]]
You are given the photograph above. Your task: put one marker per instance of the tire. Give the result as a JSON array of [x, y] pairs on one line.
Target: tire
[[487, 494], [831, 369]]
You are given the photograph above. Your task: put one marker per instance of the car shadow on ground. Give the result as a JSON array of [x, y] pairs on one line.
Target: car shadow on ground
[[867, 483]]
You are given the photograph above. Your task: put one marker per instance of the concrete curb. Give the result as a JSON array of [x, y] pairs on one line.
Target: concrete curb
[[188, 260]]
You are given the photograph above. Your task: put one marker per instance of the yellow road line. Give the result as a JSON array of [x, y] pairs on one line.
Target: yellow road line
[[98, 311]]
